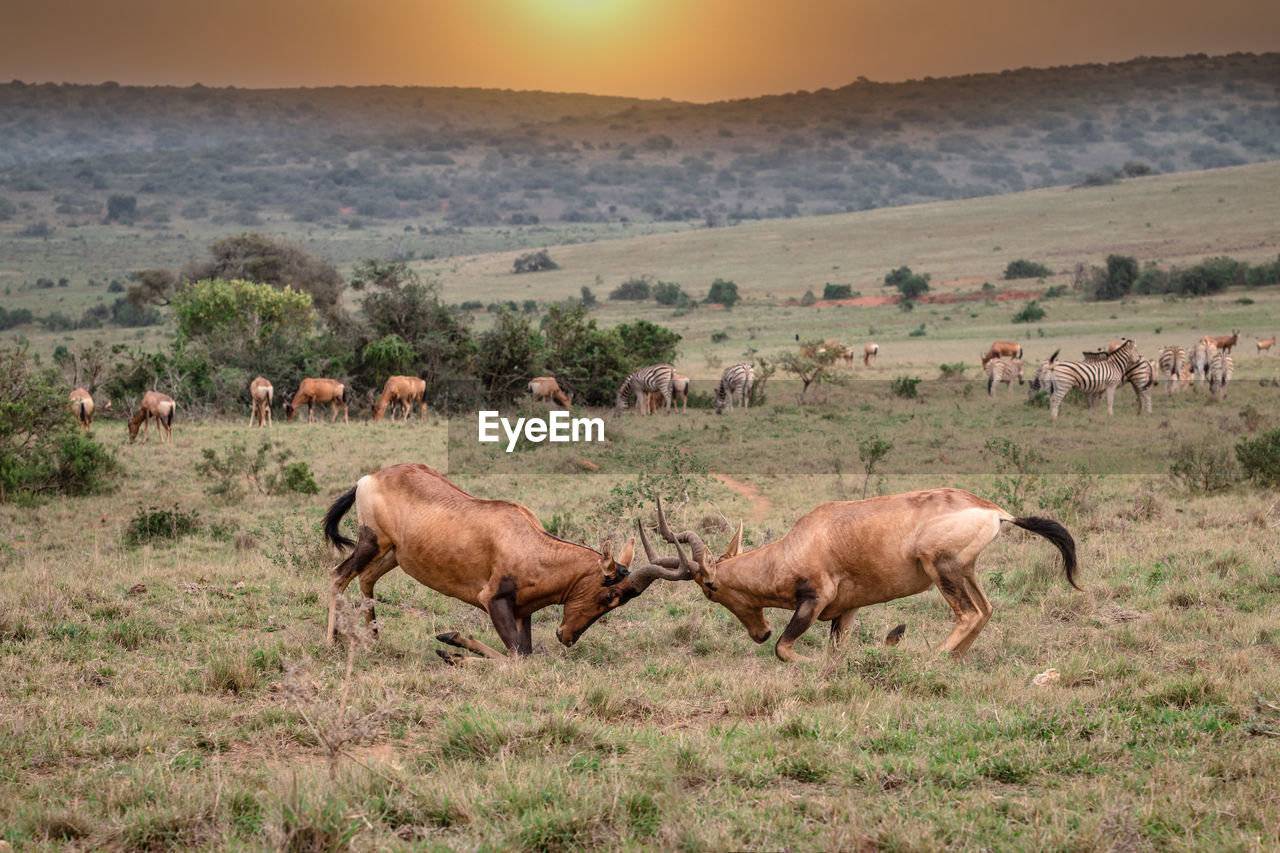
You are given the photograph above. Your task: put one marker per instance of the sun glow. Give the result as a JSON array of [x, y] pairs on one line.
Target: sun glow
[[582, 17]]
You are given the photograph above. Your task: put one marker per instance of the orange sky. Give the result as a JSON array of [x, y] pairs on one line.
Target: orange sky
[[699, 50]]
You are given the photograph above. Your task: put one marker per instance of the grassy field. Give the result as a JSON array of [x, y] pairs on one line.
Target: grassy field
[[178, 694]]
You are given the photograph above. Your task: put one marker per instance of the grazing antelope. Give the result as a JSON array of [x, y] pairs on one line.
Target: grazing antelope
[[1173, 363], [1201, 354], [659, 378], [1226, 343], [735, 382], [546, 388], [1141, 374], [82, 407], [1091, 377], [869, 353], [262, 395], [1267, 344], [153, 405], [312, 391], [850, 554], [679, 387], [493, 555], [998, 371], [403, 391], [1002, 349], [1220, 371]]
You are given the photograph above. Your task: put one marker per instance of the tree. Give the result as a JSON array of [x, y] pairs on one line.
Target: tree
[[723, 293], [1117, 280], [910, 285], [669, 293], [280, 263], [534, 262], [152, 287], [635, 290], [237, 319], [122, 208], [808, 368], [388, 356], [593, 361], [648, 343], [508, 356]]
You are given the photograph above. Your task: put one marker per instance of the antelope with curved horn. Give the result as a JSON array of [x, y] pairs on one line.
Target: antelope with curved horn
[[312, 391], [153, 405], [403, 391], [850, 554], [493, 555], [262, 394]]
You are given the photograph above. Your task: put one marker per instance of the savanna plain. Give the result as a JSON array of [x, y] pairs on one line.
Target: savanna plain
[[179, 694]]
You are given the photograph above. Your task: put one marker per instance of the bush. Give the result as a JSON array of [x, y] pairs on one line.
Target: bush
[[507, 356], [1022, 268], [669, 293], [808, 299], [538, 261], [1203, 466], [910, 285], [905, 387], [837, 291], [149, 525], [1117, 280], [122, 208], [723, 293], [635, 290], [236, 468], [1030, 313], [1260, 458]]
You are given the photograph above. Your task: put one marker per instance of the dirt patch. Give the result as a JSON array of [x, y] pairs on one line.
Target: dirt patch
[[760, 506]]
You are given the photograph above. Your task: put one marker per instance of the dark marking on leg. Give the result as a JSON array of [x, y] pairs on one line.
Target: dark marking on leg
[[502, 613], [895, 636]]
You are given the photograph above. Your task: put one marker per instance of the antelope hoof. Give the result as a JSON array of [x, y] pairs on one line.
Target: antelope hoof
[[896, 635], [450, 637], [451, 658]]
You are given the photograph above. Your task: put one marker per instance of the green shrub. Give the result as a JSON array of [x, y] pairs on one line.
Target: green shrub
[[837, 291], [910, 285], [917, 332], [808, 299], [1030, 313], [668, 293], [1023, 268], [723, 293], [955, 370], [1116, 281], [1260, 458], [149, 525], [635, 290], [534, 262], [1203, 466], [905, 387]]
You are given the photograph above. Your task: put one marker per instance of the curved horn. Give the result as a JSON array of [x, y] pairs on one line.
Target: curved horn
[[699, 551]]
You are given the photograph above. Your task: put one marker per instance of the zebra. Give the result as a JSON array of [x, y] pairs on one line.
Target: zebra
[[1141, 374], [998, 371], [1091, 377], [735, 381], [659, 379], [1042, 380], [1173, 360], [1220, 370], [1201, 354]]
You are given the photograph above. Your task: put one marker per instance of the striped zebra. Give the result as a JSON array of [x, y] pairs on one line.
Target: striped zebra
[[998, 371], [659, 379], [1220, 370], [735, 381], [1091, 377], [1173, 361], [1141, 375], [1201, 354], [1042, 379]]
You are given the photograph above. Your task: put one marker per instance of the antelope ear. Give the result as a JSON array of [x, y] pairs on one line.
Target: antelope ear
[[628, 553], [735, 545], [606, 559]]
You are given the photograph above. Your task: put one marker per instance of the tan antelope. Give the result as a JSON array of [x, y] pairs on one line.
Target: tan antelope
[[82, 407], [1000, 371], [1225, 343], [153, 405], [850, 554], [1220, 371], [1002, 349], [312, 391], [680, 398], [1267, 344], [869, 353], [492, 554], [403, 391], [545, 388], [262, 395]]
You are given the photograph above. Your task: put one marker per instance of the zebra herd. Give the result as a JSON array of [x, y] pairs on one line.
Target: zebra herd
[[661, 382], [1102, 372]]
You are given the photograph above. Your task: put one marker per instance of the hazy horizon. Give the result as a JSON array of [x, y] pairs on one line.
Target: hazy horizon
[[700, 52]]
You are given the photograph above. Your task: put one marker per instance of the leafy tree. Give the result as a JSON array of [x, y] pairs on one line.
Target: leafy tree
[[648, 343], [837, 291], [723, 293], [538, 261], [669, 293], [122, 208], [635, 289], [388, 356], [281, 263], [1030, 313], [234, 318], [152, 287], [588, 298], [593, 361], [809, 369], [1022, 268], [910, 285], [508, 356]]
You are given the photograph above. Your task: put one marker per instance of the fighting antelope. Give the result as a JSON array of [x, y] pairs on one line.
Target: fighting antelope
[[660, 378], [735, 383], [153, 405], [1267, 344], [546, 388], [998, 371], [493, 555], [261, 394], [1173, 363], [850, 554], [402, 391], [1141, 374], [1201, 354], [1091, 377], [869, 353], [1002, 349], [1220, 370], [82, 407], [312, 391]]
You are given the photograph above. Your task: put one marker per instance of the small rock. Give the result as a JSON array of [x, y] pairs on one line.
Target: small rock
[[137, 589], [1049, 676]]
